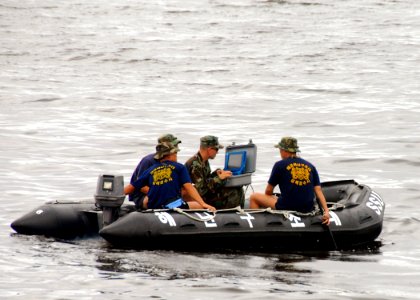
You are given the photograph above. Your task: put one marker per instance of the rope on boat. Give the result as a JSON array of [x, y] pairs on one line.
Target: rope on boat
[[210, 218], [236, 208], [335, 206], [182, 212], [285, 213]]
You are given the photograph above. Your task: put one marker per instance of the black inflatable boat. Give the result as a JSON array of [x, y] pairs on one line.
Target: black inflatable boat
[[356, 219]]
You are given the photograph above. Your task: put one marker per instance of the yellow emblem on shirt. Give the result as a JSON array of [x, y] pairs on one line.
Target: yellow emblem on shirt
[[162, 174], [300, 173]]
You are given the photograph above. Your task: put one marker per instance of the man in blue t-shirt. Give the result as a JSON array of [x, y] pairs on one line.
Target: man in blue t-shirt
[[298, 181], [168, 181], [146, 162]]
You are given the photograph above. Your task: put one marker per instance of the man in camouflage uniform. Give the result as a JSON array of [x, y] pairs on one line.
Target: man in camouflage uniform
[[211, 185], [146, 162]]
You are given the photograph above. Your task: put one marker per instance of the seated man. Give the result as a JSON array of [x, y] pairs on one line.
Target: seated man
[[168, 180], [298, 181], [146, 162], [211, 185]]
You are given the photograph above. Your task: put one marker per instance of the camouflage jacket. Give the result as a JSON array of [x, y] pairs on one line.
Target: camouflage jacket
[[204, 180]]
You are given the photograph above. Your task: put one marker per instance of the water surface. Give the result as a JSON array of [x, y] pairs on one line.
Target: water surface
[[87, 87]]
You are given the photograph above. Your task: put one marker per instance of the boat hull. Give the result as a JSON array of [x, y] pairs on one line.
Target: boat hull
[[65, 220], [240, 230], [356, 219]]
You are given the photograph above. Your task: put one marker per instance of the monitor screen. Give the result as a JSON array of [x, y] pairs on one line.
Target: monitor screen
[[235, 160]]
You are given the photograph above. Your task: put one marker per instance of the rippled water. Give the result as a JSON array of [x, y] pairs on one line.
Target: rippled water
[[86, 87]]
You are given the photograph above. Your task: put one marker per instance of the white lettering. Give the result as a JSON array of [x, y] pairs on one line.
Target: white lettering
[[207, 216], [39, 211], [165, 218], [375, 203], [248, 217], [295, 221], [334, 218]]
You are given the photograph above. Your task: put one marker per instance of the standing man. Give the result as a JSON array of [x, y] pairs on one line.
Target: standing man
[[169, 183], [211, 185], [137, 196], [298, 181]]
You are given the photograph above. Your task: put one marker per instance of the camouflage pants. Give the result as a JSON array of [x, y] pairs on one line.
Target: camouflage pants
[[226, 198]]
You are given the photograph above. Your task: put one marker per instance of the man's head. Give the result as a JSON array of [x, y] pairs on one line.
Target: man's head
[[288, 144], [169, 138], [164, 149], [210, 143]]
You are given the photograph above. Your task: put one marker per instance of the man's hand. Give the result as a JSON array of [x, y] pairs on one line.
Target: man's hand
[[209, 207], [326, 218], [224, 174]]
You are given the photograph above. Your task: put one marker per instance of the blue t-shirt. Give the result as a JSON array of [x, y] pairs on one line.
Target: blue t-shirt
[[143, 165], [165, 180], [296, 178]]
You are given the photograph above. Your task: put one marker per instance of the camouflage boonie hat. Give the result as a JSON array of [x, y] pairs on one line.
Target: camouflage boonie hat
[[165, 148], [169, 138], [210, 141], [288, 144]]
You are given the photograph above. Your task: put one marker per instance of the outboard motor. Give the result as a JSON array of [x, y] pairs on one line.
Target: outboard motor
[[110, 196]]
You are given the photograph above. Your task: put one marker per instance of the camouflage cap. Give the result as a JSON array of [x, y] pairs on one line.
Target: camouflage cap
[[169, 138], [210, 141], [165, 148], [288, 144]]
